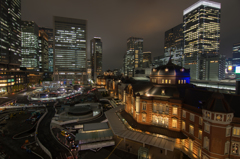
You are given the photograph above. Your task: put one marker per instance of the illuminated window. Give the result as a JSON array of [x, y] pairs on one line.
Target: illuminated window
[[163, 92], [190, 145], [154, 80], [179, 81], [236, 131], [174, 123], [166, 81], [191, 129], [162, 80], [199, 152], [169, 81], [175, 110], [183, 125], [166, 69], [200, 134]]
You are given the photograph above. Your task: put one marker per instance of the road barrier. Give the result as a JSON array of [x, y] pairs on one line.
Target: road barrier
[[55, 98], [36, 138]]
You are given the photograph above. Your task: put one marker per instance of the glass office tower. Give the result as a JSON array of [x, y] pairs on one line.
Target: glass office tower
[[30, 47], [43, 51], [147, 59], [134, 55], [10, 34], [236, 54], [49, 32], [69, 46], [174, 43], [201, 23], [96, 57]]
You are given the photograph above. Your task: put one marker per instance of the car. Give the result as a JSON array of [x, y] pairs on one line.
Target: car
[[64, 133]]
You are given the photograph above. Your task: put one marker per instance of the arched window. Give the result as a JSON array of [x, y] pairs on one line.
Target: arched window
[[162, 80], [169, 81]]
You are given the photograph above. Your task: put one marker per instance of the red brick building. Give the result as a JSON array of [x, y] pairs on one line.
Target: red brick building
[[203, 124]]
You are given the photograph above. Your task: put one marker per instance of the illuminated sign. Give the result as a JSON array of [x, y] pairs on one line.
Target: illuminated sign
[[237, 70], [229, 68]]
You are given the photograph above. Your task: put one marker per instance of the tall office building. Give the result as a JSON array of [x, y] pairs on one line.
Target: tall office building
[[147, 59], [133, 58], [30, 47], [201, 36], [174, 43], [10, 34], [43, 51], [70, 51], [49, 32], [96, 57], [159, 61], [236, 54], [89, 69]]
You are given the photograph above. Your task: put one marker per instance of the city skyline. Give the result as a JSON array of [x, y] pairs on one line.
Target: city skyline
[[150, 21]]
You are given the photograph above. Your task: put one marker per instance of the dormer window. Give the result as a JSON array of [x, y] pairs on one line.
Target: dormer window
[[166, 69], [154, 70], [163, 92], [182, 70]]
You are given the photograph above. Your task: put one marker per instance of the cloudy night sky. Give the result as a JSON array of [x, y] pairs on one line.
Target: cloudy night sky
[[117, 20]]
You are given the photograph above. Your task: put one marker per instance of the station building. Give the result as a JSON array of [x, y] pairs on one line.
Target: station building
[[169, 113]]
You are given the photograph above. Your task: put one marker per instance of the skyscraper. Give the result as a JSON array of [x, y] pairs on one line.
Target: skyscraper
[[43, 51], [236, 54], [201, 23], [30, 47], [10, 34], [133, 58], [49, 32], [174, 43], [69, 47], [147, 59], [96, 57]]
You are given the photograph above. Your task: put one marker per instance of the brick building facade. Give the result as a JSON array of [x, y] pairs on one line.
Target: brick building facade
[[204, 124]]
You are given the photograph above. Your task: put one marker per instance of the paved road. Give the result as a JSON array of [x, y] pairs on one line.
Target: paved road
[[10, 97], [45, 136]]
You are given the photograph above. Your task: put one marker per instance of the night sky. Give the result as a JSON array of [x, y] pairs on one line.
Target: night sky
[[116, 20]]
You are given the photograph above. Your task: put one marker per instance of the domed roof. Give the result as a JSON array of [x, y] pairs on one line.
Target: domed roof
[[217, 103], [171, 69]]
